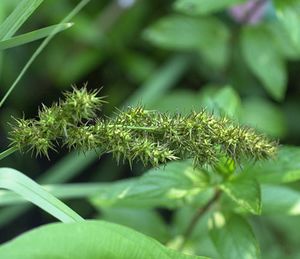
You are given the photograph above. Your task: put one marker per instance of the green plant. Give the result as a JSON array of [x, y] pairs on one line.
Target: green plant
[[136, 133], [215, 79], [139, 134]]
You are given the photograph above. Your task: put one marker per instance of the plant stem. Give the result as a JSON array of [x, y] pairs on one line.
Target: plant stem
[[141, 128], [199, 213], [8, 152]]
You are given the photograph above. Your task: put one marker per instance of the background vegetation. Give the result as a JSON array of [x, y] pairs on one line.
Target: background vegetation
[[173, 56]]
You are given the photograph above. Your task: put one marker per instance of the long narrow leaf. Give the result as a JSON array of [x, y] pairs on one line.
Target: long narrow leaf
[[14, 180], [41, 48], [61, 191], [15, 20], [153, 188], [62, 171], [32, 36]]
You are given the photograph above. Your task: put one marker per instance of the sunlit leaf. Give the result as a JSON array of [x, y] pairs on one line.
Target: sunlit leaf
[[233, 237], [146, 221], [90, 239], [280, 200], [288, 12], [283, 169], [245, 191], [225, 102], [270, 120], [170, 186], [207, 36], [265, 60]]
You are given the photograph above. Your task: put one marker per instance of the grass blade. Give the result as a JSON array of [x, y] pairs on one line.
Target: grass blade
[[32, 36], [64, 170], [15, 20], [61, 191], [7, 152], [41, 48], [17, 182]]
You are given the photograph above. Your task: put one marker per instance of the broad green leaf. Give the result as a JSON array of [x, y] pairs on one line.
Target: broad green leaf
[[15, 20], [146, 221], [208, 36], [224, 102], [270, 120], [89, 239], [288, 12], [196, 7], [283, 41], [233, 237], [271, 246], [13, 180], [283, 169], [32, 36], [244, 191], [288, 226], [228, 101], [280, 200], [171, 186], [265, 60]]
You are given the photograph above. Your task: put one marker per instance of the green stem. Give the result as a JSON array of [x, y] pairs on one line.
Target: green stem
[[8, 152], [199, 213], [151, 128], [141, 128]]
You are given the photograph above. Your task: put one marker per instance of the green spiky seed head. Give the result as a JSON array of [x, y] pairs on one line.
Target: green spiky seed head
[[135, 133]]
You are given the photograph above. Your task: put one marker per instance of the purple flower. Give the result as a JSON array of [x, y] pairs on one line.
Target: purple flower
[[250, 12]]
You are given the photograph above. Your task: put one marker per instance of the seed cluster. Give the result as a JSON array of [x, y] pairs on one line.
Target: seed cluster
[[138, 134]]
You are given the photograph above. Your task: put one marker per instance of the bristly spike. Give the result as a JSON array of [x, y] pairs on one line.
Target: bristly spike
[[135, 133]]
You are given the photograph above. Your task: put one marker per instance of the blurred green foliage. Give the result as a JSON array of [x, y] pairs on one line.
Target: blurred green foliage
[[170, 56]]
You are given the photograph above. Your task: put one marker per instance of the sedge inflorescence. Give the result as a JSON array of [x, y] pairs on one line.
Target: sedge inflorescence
[[138, 134]]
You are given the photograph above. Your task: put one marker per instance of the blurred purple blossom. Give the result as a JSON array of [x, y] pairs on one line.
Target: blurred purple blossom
[[126, 3], [250, 12]]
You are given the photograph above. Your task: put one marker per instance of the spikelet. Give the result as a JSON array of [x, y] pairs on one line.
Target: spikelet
[[135, 133]]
